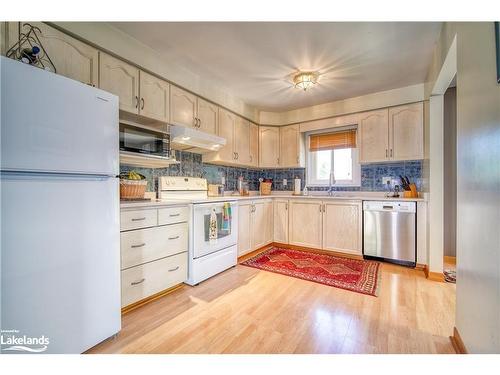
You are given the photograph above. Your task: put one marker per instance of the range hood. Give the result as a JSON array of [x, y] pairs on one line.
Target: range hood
[[192, 140]]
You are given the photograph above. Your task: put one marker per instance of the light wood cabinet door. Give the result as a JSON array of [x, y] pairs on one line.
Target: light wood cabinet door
[[241, 145], [226, 130], [342, 227], [280, 223], [406, 132], [269, 214], [244, 228], [72, 58], [305, 225], [208, 115], [269, 146], [182, 107], [254, 145], [374, 136], [154, 97], [121, 79], [262, 233], [290, 147]]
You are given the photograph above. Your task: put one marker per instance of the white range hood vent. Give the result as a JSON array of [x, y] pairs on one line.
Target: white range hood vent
[[192, 140]]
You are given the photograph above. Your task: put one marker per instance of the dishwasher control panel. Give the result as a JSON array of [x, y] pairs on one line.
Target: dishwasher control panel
[[389, 206]]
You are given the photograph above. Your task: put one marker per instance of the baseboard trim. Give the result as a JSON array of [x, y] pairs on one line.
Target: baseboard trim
[[450, 260], [457, 342], [149, 299], [434, 276], [251, 254], [320, 251]]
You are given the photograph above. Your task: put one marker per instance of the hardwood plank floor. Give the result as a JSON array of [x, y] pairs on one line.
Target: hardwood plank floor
[[245, 310]]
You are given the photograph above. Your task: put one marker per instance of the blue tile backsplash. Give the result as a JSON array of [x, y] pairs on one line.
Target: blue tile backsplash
[[191, 165]]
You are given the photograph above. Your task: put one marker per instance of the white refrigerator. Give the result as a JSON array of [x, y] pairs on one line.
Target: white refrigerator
[[60, 244]]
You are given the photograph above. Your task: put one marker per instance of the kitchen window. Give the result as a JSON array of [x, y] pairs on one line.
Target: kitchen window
[[333, 153]]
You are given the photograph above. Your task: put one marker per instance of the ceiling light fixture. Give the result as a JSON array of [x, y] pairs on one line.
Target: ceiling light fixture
[[305, 80]]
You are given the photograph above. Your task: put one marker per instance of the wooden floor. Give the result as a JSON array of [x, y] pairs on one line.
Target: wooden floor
[[245, 310]]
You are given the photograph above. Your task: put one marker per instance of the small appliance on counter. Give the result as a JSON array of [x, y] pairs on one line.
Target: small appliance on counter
[[243, 187]]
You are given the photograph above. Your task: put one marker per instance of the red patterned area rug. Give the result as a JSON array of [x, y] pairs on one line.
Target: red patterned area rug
[[361, 276]]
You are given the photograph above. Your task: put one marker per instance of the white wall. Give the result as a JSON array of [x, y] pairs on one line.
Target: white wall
[[478, 181], [403, 95]]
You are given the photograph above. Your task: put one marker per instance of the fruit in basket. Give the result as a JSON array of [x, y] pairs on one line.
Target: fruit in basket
[[132, 175]]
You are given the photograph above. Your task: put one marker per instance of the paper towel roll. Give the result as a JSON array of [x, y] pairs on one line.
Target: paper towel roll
[[296, 186]]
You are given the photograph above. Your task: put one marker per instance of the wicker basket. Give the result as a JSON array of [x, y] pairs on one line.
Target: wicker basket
[[132, 189], [265, 188]]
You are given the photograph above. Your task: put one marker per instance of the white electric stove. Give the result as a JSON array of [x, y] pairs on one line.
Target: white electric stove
[[206, 257]]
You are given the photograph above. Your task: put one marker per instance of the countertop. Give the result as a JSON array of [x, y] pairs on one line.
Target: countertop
[[358, 196]]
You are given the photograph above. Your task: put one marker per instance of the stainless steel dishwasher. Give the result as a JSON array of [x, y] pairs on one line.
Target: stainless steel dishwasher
[[389, 231]]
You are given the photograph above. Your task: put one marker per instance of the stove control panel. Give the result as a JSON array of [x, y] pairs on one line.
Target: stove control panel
[[167, 183]]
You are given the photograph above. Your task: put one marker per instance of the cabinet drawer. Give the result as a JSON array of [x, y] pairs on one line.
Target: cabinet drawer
[[172, 215], [145, 280], [138, 219], [145, 245]]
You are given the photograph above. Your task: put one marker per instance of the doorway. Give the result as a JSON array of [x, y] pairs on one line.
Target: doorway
[[450, 182]]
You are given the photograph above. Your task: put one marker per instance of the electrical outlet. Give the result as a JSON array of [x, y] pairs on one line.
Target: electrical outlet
[[285, 182], [386, 180]]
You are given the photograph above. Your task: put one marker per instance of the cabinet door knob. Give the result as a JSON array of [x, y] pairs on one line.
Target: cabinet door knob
[[136, 101], [140, 245], [391, 152], [173, 269], [142, 103], [386, 153]]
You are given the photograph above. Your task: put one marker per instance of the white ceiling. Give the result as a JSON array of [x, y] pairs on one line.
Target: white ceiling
[[255, 60]]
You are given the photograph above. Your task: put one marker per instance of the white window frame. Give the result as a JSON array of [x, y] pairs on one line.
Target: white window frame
[[356, 166]]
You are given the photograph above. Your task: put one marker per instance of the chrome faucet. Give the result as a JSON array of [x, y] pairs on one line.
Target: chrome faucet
[[331, 184]]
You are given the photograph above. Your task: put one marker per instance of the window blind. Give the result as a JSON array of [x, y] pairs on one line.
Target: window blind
[[332, 141]]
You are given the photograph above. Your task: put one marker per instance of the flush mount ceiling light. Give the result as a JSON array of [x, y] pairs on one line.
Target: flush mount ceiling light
[[305, 80]]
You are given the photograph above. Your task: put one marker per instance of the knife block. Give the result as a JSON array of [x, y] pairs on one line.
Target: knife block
[[412, 193]]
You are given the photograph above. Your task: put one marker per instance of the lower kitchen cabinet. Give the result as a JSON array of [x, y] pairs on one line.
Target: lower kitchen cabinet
[[255, 225], [305, 225], [342, 223], [280, 224], [153, 246], [244, 227], [262, 223], [333, 225]]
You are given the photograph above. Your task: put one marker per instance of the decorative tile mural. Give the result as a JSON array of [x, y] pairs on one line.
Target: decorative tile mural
[[191, 165]]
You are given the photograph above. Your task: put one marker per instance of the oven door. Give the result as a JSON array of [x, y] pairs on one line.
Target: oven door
[[202, 243]]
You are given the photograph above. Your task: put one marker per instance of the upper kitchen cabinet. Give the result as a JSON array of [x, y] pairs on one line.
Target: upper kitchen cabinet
[[121, 79], [71, 58], [269, 146], [227, 124], [373, 136], [406, 132], [392, 134], [182, 107], [188, 110], [254, 145], [154, 97], [291, 147], [208, 116], [241, 144]]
